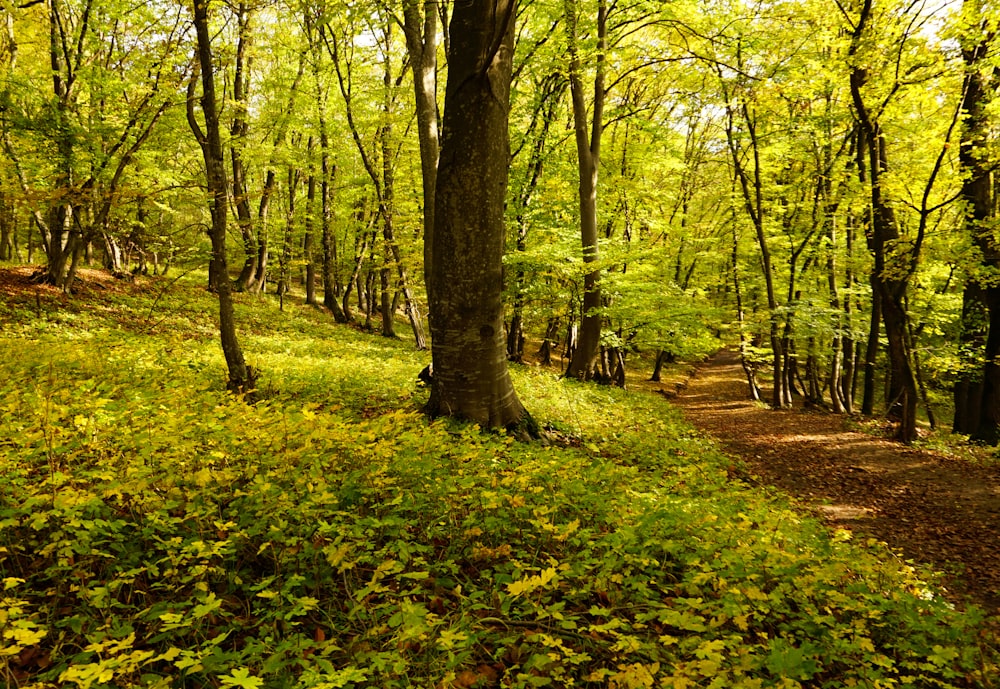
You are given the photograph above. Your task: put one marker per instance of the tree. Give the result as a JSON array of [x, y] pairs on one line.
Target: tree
[[465, 277], [894, 261], [421, 45], [242, 377], [977, 393], [751, 186], [332, 287], [588, 147]]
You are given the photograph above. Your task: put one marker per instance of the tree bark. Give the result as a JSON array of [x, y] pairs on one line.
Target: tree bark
[[241, 377], [968, 389], [977, 397], [588, 147], [465, 279], [421, 44], [889, 281], [238, 132]]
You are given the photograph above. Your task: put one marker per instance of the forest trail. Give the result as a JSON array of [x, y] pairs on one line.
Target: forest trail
[[930, 508]]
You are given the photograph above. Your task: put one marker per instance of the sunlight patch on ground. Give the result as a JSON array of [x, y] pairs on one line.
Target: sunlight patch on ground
[[817, 438], [843, 512]]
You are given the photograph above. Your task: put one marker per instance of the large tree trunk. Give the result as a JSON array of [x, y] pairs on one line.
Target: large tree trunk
[[977, 398], [968, 389], [465, 279]]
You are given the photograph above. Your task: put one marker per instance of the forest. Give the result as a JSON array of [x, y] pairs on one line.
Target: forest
[[407, 222], [812, 180]]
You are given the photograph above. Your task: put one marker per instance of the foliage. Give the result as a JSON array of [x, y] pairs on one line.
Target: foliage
[[155, 532]]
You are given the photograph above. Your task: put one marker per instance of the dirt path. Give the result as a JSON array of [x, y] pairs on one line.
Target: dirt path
[[940, 511]]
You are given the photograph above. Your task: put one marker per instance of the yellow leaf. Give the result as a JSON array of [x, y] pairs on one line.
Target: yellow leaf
[[708, 668], [526, 584], [25, 637], [169, 654], [11, 582]]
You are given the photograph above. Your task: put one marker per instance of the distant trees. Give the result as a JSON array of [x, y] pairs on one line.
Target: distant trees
[[81, 98]]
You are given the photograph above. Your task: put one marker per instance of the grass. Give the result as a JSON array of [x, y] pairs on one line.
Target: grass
[[155, 532]]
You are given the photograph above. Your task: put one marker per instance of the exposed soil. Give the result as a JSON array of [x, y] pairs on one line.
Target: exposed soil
[[26, 283], [933, 509]]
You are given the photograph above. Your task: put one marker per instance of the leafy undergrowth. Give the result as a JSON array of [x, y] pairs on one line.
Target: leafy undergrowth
[[156, 533]]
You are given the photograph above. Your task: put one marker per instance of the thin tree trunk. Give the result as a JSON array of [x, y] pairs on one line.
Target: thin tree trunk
[[749, 366], [544, 113], [850, 358], [421, 44], [242, 378], [588, 147], [871, 350], [550, 340], [238, 138], [307, 238], [285, 258]]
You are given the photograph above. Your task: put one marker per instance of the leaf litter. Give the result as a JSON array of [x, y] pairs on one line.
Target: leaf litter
[[928, 507]]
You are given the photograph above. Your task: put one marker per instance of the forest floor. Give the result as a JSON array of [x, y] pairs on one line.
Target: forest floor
[[928, 507]]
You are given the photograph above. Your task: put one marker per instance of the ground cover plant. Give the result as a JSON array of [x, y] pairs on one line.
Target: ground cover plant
[[156, 532]]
